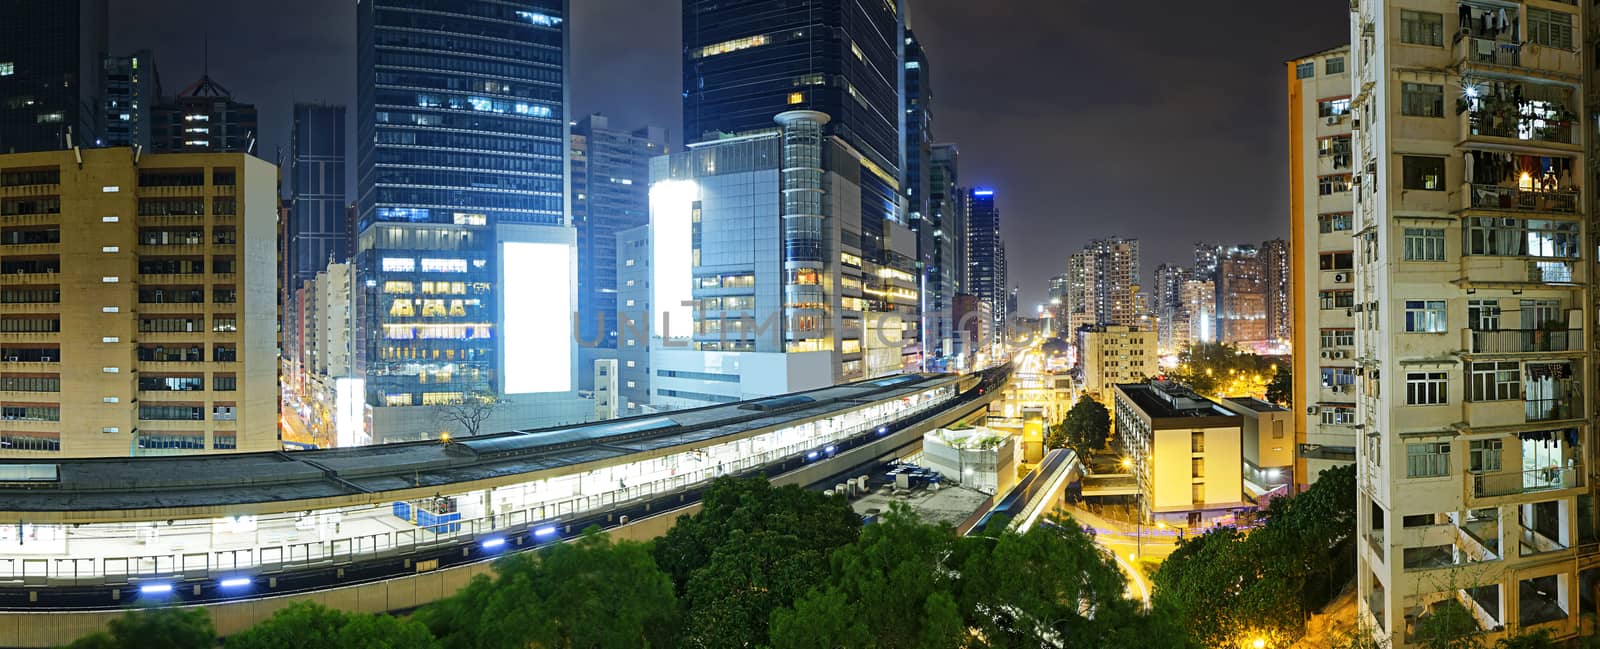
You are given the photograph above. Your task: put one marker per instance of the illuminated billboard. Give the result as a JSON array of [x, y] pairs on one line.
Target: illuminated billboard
[[671, 264], [536, 301], [350, 395]]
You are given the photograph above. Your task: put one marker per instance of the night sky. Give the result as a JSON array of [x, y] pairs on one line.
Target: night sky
[[1164, 121]]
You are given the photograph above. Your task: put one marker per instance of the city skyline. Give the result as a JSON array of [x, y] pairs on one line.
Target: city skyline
[[979, 66]]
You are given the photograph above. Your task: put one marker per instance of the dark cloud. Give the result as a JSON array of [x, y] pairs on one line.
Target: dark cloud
[[1163, 121]]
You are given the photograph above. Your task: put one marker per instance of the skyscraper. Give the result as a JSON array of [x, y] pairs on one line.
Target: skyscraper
[[948, 266], [755, 233], [1241, 297], [747, 60], [316, 176], [1275, 271], [131, 88], [462, 125], [50, 54], [203, 117], [611, 195], [986, 265], [1103, 284], [1474, 313], [916, 126], [1172, 318]]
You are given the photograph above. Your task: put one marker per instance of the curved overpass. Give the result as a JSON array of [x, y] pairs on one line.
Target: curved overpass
[[97, 535]]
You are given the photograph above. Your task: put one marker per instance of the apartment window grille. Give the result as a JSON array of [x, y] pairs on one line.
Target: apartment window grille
[[1425, 316], [1422, 28], [1421, 99], [1429, 460], [1426, 388]]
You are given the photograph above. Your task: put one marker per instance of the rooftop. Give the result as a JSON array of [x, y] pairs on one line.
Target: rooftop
[[273, 480], [1164, 400], [1257, 404]]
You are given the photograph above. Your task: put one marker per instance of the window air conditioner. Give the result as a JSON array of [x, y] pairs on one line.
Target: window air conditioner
[[1341, 277], [1312, 410], [1327, 354]]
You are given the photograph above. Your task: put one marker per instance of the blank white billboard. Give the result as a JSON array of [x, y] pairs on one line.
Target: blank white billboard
[[536, 300]]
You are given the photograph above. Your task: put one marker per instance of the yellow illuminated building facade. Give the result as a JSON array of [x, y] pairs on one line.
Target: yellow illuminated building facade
[[137, 304]]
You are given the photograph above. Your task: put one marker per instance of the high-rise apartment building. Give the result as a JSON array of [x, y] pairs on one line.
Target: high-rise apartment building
[[50, 54], [1275, 272], [1107, 270], [1172, 319], [611, 194], [1473, 314], [1112, 354], [986, 257], [1322, 277], [757, 232], [131, 88], [316, 176], [1200, 307], [203, 117], [465, 252], [1241, 297], [139, 304]]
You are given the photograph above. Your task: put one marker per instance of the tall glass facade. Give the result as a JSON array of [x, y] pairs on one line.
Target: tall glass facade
[[745, 61], [461, 128], [316, 224]]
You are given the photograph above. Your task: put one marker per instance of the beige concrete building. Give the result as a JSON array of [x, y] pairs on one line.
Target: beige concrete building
[[137, 304], [1115, 354], [1186, 454], [1267, 442], [1473, 313], [1321, 263]]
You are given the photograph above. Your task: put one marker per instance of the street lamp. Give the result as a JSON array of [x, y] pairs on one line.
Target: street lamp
[[1258, 643]]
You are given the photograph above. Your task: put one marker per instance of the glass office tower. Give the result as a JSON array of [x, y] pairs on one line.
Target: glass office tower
[[746, 61], [462, 153]]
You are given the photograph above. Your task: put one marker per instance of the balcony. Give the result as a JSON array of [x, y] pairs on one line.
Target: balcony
[[1523, 341], [1554, 409], [1495, 197], [37, 189], [1493, 269], [172, 190], [1508, 57], [1488, 485], [1509, 122]]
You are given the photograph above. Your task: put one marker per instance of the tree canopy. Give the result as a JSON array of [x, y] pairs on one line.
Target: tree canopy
[[1222, 370], [308, 625], [169, 628], [1084, 430]]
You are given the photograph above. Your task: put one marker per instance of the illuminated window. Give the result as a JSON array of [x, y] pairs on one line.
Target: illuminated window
[[732, 46], [401, 308], [796, 97], [7, 69], [443, 265], [464, 218], [399, 265], [398, 287]]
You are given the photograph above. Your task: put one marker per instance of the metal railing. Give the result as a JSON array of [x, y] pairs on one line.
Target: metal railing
[[1495, 197], [1505, 484], [1552, 409], [1508, 341]]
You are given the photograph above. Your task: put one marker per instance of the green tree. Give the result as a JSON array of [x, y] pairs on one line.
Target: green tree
[[168, 628], [1281, 389], [892, 584], [1448, 625], [1540, 639], [1085, 428], [1222, 370], [589, 593], [750, 575], [308, 625], [751, 549]]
